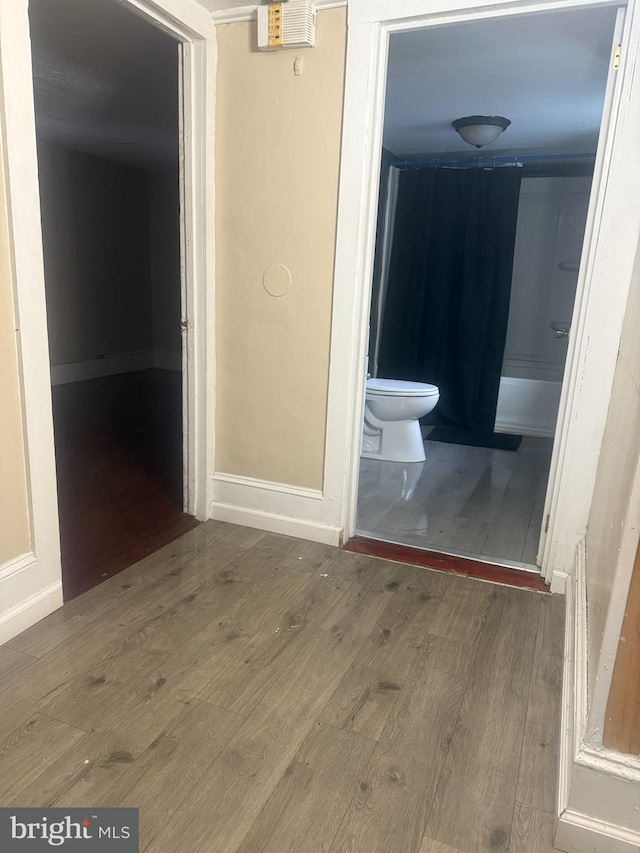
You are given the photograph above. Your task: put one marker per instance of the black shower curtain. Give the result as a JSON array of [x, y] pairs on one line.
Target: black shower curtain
[[447, 296]]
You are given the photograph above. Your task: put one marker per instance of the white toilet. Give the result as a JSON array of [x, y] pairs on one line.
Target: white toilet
[[391, 427]]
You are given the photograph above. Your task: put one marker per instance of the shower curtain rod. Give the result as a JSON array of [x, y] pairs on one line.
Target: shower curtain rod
[[514, 160]]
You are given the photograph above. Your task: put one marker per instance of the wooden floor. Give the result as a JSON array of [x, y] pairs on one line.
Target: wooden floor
[[119, 465], [255, 693], [470, 499]]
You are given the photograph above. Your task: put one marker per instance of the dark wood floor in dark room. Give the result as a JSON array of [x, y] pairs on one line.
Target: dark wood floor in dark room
[[119, 465]]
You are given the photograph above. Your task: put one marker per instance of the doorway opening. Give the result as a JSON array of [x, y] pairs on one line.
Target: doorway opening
[[106, 86], [474, 278]]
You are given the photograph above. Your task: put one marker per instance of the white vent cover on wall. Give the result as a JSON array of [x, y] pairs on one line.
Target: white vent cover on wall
[[288, 24]]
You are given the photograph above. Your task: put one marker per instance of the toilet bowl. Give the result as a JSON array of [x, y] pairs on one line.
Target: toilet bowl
[[391, 429]]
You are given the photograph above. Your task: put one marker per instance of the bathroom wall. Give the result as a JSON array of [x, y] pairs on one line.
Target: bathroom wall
[[14, 530], [551, 221], [277, 160], [95, 226]]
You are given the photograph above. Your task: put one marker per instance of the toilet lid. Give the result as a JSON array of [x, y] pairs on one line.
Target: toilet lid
[[401, 388]]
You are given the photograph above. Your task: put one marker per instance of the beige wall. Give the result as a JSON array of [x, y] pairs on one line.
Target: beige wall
[[14, 530], [616, 469], [95, 229], [277, 161]]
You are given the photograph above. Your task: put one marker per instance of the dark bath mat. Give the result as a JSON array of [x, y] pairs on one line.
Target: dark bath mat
[[473, 438]]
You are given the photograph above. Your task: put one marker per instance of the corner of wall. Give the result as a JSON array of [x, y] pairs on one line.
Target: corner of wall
[[597, 789], [19, 583]]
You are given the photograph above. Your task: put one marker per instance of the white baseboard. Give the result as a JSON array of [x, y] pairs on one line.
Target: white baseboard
[[597, 788], [519, 427], [276, 523], [574, 676], [528, 407], [17, 579], [112, 365], [578, 833], [276, 507], [559, 582]]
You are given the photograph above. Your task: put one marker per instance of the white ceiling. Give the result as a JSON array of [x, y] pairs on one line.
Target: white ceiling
[[106, 82], [545, 72]]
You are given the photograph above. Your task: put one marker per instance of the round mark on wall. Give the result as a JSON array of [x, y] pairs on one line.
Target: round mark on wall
[[276, 280]]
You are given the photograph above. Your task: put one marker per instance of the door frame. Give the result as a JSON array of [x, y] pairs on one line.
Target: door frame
[[39, 589], [605, 273]]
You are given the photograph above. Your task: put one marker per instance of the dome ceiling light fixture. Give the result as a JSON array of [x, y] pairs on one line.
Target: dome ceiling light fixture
[[480, 130]]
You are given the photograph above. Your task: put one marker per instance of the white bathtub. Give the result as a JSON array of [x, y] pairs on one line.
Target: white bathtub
[[528, 406]]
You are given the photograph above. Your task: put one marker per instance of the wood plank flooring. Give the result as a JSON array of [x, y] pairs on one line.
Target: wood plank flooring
[[119, 465], [470, 499], [253, 693]]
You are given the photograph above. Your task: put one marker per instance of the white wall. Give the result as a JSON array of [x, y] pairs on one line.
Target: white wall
[[551, 220]]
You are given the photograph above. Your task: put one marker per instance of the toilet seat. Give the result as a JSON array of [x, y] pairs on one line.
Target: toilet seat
[[400, 388]]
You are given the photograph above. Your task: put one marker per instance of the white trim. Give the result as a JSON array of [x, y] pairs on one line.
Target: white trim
[[611, 237], [275, 523], [30, 591], [610, 798], [626, 767], [568, 723], [578, 833], [409, 14], [357, 203], [268, 485], [19, 583], [192, 25], [615, 615], [597, 788], [184, 20], [250, 12], [235, 16], [18, 564], [27, 613], [278, 507], [580, 648], [559, 582]]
